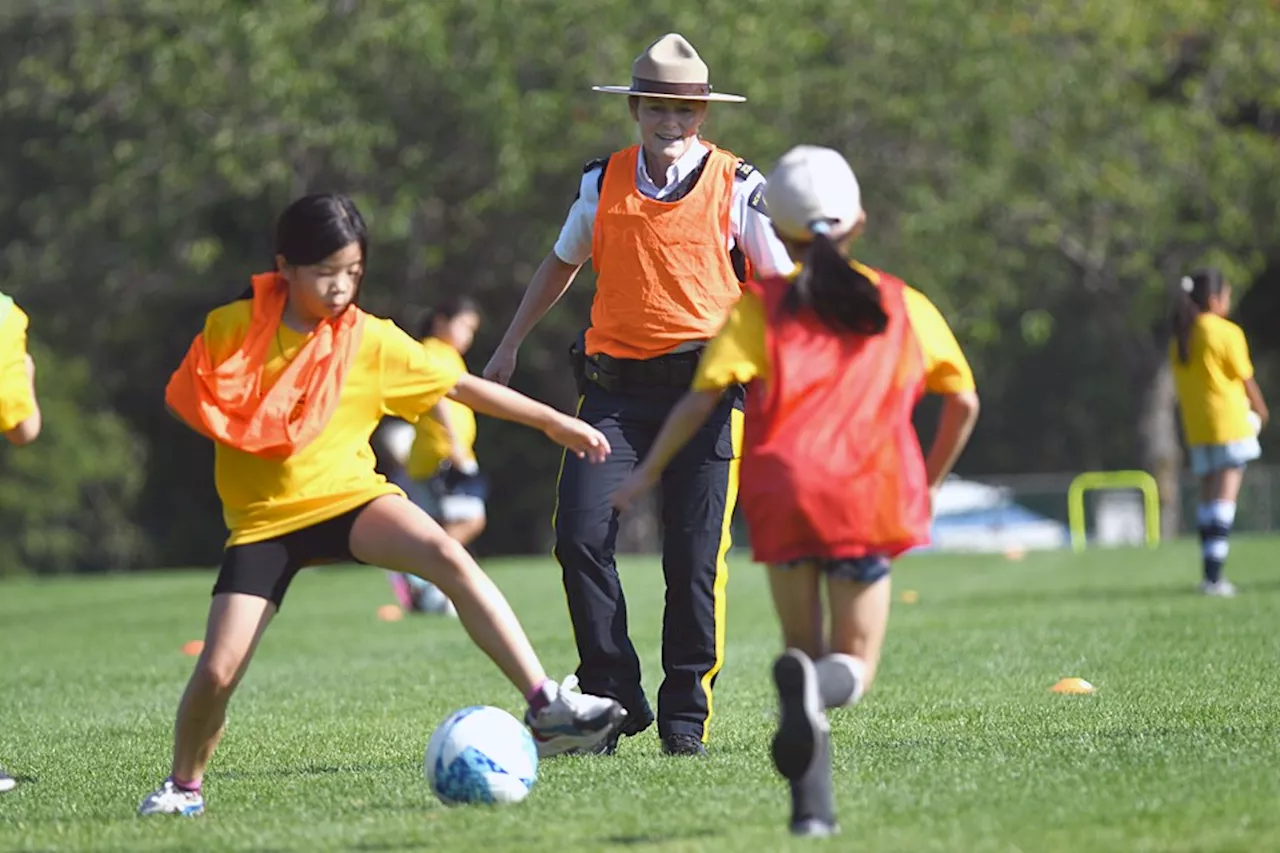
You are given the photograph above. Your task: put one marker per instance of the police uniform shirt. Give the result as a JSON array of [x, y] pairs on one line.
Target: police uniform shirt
[[749, 227]]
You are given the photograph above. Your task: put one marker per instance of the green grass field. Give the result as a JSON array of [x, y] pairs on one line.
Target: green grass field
[[960, 747]]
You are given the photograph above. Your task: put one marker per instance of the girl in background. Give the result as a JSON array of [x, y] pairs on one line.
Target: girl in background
[[834, 482], [1222, 411], [442, 461], [19, 410]]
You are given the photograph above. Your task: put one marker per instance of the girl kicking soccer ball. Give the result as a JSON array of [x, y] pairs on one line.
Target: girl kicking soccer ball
[[290, 382], [1217, 395], [834, 483]]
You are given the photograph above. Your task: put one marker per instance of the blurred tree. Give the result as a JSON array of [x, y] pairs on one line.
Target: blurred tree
[[65, 500], [1044, 174]]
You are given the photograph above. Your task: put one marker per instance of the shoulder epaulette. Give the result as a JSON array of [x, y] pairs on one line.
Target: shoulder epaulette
[[744, 170], [601, 163]]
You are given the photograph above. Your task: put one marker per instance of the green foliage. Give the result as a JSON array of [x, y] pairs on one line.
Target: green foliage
[[1044, 174], [65, 501]]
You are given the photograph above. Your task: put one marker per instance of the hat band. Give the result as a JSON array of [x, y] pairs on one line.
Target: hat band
[[657, 87]]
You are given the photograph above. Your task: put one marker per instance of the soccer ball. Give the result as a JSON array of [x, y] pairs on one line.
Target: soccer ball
[[481, 754]]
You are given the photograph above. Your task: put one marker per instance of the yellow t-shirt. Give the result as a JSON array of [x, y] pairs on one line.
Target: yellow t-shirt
[[16, 402], [431, 445], [1210, 386], [738, 355], [392, 375]]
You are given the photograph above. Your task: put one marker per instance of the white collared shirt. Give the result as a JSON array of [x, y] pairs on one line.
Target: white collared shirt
[[749, 229]]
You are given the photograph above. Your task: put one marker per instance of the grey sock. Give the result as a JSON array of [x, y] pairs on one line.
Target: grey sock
[[840, 679], [812, 796]]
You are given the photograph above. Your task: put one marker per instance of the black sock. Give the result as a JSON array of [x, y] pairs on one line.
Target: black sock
[[1212, 565]]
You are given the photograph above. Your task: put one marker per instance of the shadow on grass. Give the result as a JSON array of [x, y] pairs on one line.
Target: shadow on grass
[[305, 771], [660, 837], [1101, 595]]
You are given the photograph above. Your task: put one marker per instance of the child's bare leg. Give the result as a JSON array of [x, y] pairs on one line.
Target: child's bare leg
[[393, 533], [858, 597], [236, 624], [797, 598]]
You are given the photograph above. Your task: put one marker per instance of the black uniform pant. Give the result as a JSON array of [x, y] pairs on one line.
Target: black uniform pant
[[698, 492]]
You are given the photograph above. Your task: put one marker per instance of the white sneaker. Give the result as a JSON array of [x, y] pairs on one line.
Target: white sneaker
[[572, 720], [7, 782], [432, 600], [170, 799], [1222, 588]]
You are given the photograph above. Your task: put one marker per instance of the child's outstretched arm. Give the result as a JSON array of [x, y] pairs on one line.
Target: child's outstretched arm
[[28, 429], [1256, 401], [499, 401], [955, 425], [684, 419]]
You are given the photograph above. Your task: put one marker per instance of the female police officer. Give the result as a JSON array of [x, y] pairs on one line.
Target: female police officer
[[672, 227]]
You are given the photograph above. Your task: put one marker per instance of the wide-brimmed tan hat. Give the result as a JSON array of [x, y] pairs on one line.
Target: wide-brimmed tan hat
[[670, 68]]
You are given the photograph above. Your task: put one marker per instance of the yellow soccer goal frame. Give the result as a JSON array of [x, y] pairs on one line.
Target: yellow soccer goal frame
[[1100, 480]]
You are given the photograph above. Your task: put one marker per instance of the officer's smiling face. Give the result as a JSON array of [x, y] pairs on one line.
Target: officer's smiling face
[[668, 127]]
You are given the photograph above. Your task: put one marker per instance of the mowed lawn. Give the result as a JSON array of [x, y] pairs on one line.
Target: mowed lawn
[[960, 747]]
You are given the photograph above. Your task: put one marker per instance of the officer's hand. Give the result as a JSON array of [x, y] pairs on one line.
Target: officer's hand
[[639, 482], [582, 439], [501, 366]]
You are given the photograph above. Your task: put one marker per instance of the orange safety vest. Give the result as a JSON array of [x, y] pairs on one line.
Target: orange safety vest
[[228, 402], [663, 272], [831, 464]]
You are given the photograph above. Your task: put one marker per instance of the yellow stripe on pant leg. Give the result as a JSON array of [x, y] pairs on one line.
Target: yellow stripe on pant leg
[[736, 419], [555, 511]]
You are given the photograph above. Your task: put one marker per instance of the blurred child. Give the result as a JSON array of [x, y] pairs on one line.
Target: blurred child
[[834, 483], [442, 460], [19, 410], [1217, 393], [290, 383]]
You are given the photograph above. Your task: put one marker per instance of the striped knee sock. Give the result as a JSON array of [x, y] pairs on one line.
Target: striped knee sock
[[1215, 520]]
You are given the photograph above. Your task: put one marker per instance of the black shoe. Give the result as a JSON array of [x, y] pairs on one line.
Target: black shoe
[[682, 744], [802, 746], [637, 720], [800, 718]]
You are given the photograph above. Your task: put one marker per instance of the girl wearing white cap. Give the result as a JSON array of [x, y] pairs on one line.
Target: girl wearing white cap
[[834, 481]]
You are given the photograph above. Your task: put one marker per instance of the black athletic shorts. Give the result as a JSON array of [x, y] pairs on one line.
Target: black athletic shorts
[[266, 568]]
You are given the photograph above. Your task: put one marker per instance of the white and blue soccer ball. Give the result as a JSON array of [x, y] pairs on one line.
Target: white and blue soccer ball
[[481, 754]]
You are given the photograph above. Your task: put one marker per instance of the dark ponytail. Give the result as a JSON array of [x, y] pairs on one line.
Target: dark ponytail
[[843, 298], [446, 310], [1194, 293]]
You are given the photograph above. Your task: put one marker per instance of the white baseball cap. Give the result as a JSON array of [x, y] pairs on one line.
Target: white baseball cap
[[812, 185]]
